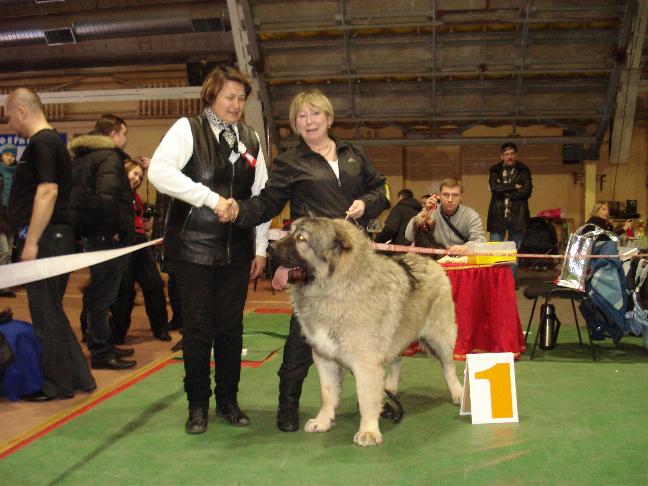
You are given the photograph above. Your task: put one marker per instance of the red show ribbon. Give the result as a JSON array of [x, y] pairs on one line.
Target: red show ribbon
[[251, 160]]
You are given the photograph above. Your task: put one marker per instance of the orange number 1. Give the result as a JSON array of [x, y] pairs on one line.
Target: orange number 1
[[499, 377]]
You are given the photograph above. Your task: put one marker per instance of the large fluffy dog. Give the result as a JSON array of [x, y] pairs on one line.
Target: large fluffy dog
[[359, 310]]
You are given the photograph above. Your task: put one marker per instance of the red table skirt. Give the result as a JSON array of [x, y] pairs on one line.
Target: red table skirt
[[486, 309]]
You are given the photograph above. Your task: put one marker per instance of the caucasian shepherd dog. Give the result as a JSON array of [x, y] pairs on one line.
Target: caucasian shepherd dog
[[359, 310]]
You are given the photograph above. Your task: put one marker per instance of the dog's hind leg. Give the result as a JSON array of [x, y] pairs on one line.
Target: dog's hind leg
[[330, 377], [370, 389], [443, 351]]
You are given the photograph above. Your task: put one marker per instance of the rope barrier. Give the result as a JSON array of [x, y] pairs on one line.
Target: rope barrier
[[30, 271], [437, 251]]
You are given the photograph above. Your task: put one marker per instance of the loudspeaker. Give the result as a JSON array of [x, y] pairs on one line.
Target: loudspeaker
[[572, 154], [631, 208], [196, 72]]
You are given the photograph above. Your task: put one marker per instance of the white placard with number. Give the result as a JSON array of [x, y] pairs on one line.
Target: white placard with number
[[489, 394]]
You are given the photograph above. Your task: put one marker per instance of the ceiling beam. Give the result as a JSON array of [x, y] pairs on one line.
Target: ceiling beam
[[523, 53], [629, 81], [245, 46], [111, 95], [623, 42]]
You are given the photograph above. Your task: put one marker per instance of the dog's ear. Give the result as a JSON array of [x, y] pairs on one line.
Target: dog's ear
[[342, 241]]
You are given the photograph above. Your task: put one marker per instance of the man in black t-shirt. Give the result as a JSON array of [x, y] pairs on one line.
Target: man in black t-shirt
[[38, 212]]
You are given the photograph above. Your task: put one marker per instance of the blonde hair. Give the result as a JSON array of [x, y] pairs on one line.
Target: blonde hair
[[451, 182], [313, 98], [597, 207]]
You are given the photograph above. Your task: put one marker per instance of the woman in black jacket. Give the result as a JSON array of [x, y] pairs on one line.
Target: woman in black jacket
[[322, 176], [600, 217]]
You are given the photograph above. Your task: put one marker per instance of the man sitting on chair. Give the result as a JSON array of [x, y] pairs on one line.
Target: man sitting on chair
[[452, 225]]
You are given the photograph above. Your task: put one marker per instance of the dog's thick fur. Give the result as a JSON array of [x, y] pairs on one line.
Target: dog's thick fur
[[359, 310]]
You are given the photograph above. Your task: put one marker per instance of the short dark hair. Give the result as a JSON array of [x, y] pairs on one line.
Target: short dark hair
[[508, 145], [215, 80], [405, 193], [108, 124]]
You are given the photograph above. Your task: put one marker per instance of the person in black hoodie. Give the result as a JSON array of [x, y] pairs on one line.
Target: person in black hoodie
[[406, 208], [510, 185], [100, 157]]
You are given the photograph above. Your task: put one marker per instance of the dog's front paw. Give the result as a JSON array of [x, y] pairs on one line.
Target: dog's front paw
[[366, 439], [456, 395], [318, 425]]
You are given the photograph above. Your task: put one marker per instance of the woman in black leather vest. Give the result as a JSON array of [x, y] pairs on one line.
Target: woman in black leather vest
[[201, 162]]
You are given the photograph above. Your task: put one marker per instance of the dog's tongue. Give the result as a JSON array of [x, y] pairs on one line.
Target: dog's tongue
[[284, 275], [280, 279]]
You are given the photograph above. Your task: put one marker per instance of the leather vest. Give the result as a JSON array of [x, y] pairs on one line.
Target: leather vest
[[194, 234]]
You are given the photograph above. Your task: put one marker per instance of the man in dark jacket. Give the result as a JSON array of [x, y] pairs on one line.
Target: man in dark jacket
[[108, 224], [510, 185], [406, 208]]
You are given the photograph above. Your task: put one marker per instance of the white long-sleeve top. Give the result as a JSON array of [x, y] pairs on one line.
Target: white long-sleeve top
[[173, 153]]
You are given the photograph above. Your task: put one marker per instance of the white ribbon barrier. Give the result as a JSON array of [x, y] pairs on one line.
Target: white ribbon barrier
[[25, 272]]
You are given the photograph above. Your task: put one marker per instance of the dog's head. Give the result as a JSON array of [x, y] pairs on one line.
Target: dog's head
[[315, 245]]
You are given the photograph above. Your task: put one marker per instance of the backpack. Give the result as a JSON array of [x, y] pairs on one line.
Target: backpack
[[637, 315], [604, 310], [85, 205]]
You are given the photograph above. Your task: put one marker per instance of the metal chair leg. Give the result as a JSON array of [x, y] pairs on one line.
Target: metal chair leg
[[537, 336], [580, 340], [526, 334], [589, 334]]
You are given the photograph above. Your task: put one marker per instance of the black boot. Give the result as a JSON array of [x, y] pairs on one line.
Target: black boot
[[288, 411], [197, 421], [288, 414]]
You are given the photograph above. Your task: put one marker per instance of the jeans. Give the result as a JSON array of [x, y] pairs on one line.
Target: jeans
[[514, 235], [101, 294], [212, 299], [64, 366], [140, 267]]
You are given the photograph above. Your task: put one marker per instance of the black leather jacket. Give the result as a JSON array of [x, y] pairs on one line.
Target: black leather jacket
[[306, 179], [519, 198], [194, 234]]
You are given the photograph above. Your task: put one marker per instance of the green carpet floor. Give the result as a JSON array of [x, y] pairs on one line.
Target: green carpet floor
[[580, 423]]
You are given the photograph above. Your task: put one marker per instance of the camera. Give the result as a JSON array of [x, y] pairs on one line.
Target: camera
[[149, 211]]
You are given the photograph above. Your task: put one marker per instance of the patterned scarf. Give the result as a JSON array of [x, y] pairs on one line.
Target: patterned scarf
[[225, 128], [507, 178]]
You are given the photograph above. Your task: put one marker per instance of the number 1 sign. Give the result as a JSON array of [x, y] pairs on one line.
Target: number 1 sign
[[489, 388]]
